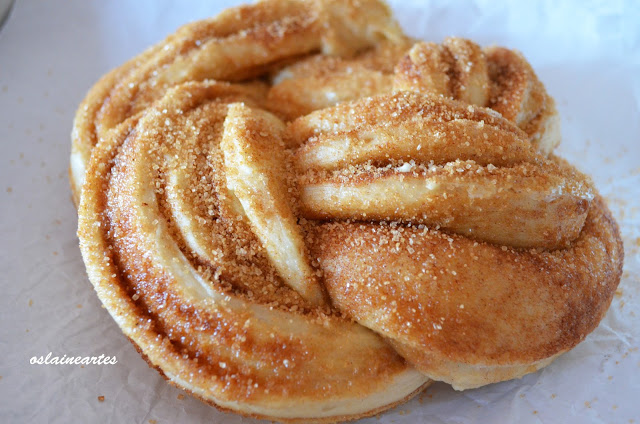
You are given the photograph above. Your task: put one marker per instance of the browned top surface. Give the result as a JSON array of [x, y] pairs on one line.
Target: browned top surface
[[470, 301], [178, 266]]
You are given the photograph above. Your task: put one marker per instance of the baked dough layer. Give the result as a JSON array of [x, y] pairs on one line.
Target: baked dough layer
[[296, 212], [205, 325], [471, 313]]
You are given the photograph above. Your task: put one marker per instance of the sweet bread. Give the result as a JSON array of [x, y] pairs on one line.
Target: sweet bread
[[240, 43], [321, 81], [494, 77], [293, 218], [493, 186], [187, 280]]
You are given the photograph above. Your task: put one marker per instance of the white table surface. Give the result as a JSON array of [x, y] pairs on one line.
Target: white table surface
[[51, 52]]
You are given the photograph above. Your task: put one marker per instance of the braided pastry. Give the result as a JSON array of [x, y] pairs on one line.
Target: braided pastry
[[321, 81], [531, 270], [492, 187], [324, 257], [240, 43], [494, 77]]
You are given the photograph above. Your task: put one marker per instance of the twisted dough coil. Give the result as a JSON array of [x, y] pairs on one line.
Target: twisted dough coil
[[531, 273], [321, 81], [191, 286], [494, 77], [216, 235], [493, 186], [240, 43]]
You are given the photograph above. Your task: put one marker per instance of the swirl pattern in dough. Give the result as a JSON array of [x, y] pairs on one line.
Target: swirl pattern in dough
[[288, 219], [186, 279], [240, 43], [494, 77]]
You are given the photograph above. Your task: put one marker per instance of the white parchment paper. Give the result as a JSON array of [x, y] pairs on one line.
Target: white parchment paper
[[51, 52]]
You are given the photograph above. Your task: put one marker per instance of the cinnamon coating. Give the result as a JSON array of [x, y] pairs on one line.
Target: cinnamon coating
[[296, 212], [241, 43], [229, 331], [471, 313], [321, 81], [494, 77], [427, 160]]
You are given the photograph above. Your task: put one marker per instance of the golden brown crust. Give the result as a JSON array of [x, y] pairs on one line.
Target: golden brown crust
[[240, 43], [424, 159], [494, 77], [457, 248], [85, 134], [334, 419], [257, 352], [446, 300], [321, 81]]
